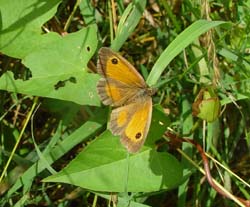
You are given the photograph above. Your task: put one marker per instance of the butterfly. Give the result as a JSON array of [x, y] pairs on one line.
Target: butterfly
[[123, 88]]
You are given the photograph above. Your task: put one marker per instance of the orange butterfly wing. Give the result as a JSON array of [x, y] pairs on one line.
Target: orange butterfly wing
[[132, 122], [120, 79], [122, 86]]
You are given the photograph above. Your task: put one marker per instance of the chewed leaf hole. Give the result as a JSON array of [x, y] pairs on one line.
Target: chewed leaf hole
[[72, 79], [62, 83], [59, 84]]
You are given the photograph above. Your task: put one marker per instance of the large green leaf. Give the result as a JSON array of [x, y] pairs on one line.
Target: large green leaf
[[105, 166], [58, 65], [102, 166], [59, 70]]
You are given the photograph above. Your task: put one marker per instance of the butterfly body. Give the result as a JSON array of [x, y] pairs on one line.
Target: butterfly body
[[122, 87]]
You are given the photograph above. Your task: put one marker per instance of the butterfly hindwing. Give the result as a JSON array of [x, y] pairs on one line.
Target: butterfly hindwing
[[132, 123], [136, 131]]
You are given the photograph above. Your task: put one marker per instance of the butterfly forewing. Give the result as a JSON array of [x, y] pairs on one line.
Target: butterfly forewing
[[113, 66], [120, 81]]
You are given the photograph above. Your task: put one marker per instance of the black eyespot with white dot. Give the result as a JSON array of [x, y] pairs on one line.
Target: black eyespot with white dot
[[114, 61], [138, 135]]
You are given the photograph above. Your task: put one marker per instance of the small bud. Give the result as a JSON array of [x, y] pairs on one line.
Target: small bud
[[206, 105]]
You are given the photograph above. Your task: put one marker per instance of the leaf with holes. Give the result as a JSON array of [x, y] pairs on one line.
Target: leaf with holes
[[59, 70]]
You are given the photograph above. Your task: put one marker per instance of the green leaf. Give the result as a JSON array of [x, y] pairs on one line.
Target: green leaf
[[20, 32], [102, 166], [59, 70], [179, 44], [58, 65]]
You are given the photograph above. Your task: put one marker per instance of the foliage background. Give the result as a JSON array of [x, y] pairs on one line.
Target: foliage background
[[48, 55]]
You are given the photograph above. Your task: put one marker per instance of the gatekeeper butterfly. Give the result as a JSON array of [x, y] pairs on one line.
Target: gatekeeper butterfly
[[122, 87]]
